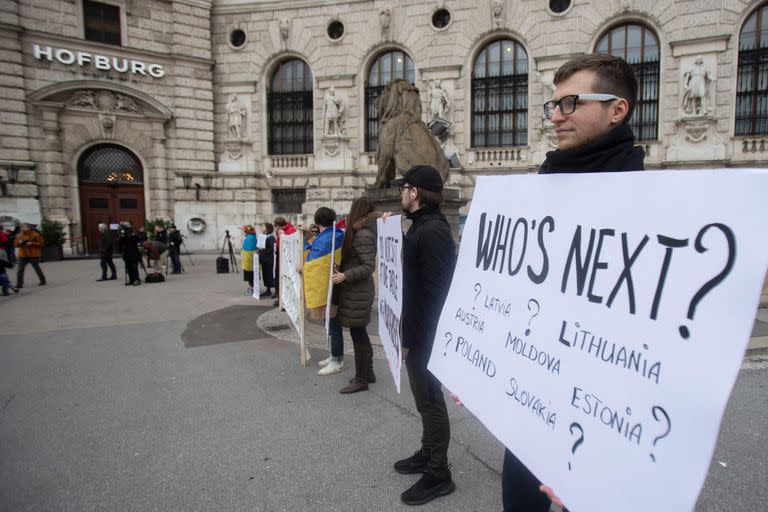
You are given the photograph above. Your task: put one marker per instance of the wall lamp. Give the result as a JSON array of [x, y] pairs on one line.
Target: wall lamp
[[187, 179], [13, 177], [208, 180]]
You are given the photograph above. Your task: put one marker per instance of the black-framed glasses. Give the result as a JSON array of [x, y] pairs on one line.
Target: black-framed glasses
[[404, 187], [567, 104]]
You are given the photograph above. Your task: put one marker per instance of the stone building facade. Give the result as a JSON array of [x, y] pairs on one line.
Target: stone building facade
[[190, 101]]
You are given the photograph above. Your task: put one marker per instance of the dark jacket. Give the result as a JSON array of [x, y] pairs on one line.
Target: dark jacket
[[267, 254], [356, 292], [175, 240], [428, 260], [129, 247], [105, 244]]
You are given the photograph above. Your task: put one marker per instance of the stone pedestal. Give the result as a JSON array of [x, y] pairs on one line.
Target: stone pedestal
[[334, 154], [696, 139], [388, 200], [237, 157]]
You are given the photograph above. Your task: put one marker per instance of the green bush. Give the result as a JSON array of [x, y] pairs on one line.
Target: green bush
[[149, 226], [52, 231]]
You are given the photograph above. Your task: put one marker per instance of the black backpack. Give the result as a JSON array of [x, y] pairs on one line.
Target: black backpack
[[155, 277]]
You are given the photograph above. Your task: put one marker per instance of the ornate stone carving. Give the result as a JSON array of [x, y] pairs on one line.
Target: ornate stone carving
[[439, 101], [698, 85], [107, 123], [385, 21], [497, 11], [103, 100], [284, 25], [333, 114], [234, 149], [236, 118]]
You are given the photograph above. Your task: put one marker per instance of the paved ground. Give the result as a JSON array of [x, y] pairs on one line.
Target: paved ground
[[187, 396]]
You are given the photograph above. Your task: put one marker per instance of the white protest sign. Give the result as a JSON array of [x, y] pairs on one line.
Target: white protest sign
[[291, 286], [390, 258], [261, 240], [330, 282], [596, 324]]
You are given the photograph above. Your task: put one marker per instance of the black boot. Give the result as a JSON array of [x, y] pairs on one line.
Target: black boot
[[369, 375], [412, 465], [428, 488], [357, 383]]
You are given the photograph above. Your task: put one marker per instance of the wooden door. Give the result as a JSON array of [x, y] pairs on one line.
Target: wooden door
[[110, 204]]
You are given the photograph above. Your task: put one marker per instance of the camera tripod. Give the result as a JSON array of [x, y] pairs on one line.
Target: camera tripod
[[228, 244]]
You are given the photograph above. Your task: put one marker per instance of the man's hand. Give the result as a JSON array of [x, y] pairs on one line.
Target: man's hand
[[455, 399], [385, 216], [551, 495]]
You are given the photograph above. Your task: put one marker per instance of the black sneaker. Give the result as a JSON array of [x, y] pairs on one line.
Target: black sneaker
[[428, 488], [416, 463]]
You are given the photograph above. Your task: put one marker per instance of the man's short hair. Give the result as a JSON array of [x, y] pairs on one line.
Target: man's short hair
[[280, 222], [325, 217], [614, 76], [429, 199]]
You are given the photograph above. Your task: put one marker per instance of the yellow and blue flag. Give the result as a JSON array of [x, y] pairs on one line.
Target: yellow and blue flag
[[317, 268]]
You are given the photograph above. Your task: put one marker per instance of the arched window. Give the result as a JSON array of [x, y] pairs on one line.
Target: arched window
[[500, 95], [752, 81], [639, 46], [289, 106], [109, 163], [387, 67]]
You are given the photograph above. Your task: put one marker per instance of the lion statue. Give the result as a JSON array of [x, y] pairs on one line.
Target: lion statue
[[404, 140]]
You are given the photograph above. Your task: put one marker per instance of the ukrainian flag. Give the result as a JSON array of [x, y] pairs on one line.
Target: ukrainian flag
[[317, 268]]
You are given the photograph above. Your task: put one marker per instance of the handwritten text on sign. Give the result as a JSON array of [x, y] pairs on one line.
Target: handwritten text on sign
[[291, 286], [596, 324], [389, 254]]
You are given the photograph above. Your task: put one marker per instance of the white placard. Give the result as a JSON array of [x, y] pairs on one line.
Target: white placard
[[596, 324], [390, 260], [291, 285], [261, 240], [330, 282]]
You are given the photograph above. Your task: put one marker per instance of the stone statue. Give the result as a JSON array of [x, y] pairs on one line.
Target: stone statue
[[235, 118], [385, 18], [438, 100], [698, 82], [285, 27], [333, 113], [497, 9], [404, 140]]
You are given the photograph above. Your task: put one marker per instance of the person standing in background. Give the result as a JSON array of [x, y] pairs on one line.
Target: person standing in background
[[247, 252], [105, 253], [267, 259], [30, 245]]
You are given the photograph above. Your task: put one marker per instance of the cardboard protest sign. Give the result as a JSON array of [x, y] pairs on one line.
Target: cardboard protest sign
[[390, 259], [291, 285], [596, 324], [261, 240]]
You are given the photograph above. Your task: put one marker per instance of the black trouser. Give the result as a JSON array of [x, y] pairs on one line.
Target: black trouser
[[436, 429], [267, 274], [107, 261], [520, 488], [20, 273], [132, 270]]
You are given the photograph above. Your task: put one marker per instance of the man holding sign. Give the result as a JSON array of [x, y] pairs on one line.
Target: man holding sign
[[428, 261], [593, 102]]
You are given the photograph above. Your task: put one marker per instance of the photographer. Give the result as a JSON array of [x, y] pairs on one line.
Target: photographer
[[30, 244], [175, 239], [129, 247], [158, 252]]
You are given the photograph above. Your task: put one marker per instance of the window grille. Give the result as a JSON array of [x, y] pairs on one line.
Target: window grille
[[288, 200], [387, 67], [639, 46], [109, 163], [289, 105], [752, 76], [500, 95]]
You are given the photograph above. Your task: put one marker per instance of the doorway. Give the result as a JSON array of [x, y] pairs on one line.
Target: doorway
[[111, 181]]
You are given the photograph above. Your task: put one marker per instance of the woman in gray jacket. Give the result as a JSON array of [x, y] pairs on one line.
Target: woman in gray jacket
[[354, 277]]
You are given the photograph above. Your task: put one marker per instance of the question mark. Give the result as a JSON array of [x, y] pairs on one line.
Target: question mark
[[712, 283], [578, 441], [450, 337], [538, 308], [478, 289], [654, 410]]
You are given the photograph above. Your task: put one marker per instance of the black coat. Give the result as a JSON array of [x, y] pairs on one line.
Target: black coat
[[129, 247], [105, 243], [267, 254], [429, 257]]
